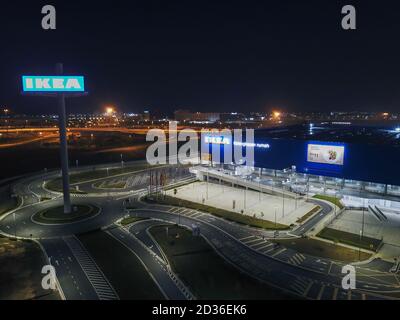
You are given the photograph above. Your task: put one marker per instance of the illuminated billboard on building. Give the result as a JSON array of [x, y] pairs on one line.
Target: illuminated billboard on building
[[325, 154]]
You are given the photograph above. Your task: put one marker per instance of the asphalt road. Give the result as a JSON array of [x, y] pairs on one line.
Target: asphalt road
[[156, 267], [275, 267], [246, 248], [74, 282], [140, 231], [310, 223]]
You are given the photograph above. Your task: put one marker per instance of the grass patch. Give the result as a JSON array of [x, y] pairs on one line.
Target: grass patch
[[229, 215], [333, 200], [324, 249], [109, 185], [121, 267], [205, 273], [308, 215], [57, 215], [350, 239], [21, 264], [130, 220]]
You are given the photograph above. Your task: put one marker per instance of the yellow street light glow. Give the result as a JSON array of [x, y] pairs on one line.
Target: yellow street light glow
[[276, 114], [109, 110]]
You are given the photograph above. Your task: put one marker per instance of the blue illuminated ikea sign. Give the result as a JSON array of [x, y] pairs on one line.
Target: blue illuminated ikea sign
[[53, 83]]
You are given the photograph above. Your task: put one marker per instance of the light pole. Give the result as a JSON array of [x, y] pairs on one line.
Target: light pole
[[63, 145], [245, 196], [359, 248], [335, 202], [363, 215], [207, 186], [15, 226]]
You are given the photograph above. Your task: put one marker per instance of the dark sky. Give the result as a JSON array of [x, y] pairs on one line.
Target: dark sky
[[206, 55]]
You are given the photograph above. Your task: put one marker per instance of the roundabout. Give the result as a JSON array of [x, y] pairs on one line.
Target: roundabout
[[57, 216], [36, 218]]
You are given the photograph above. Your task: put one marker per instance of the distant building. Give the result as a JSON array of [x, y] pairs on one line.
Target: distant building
[[146, 115], [232, 117], [188, 116], [183, 115]]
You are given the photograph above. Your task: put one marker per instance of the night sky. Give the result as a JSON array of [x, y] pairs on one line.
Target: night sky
[[206, 55]]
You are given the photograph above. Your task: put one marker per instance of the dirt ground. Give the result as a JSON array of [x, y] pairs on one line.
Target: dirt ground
[[21, 263]]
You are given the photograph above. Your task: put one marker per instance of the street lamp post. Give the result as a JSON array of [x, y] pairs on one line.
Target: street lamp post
[[63, 145], [359, 248], [245, 196], [207, 186], [363, 217], [15, 226]]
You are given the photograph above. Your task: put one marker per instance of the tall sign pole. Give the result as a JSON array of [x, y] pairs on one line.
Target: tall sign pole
[[60, 87], [63, 144]]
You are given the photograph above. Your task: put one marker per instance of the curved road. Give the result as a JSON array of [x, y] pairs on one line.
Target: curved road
[[244, 247]]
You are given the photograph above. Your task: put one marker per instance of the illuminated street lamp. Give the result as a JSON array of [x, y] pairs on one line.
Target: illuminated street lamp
[[109, 111], [276, 115], [385, 115]]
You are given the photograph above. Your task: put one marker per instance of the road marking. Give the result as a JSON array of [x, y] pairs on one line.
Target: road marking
[[335, 292], [261, 245], [269, 249], [247, 237], [297, 259], [330, 267], [308, 288], [300, 285], [320, 292], [279, 252], [252, 240], [96, 277]]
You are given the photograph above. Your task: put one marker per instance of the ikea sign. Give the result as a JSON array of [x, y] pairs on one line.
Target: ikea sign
[[53, 83]]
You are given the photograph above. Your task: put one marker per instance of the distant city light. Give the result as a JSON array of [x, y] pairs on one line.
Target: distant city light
[[109, 110], [397, 129], [276, 114]]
